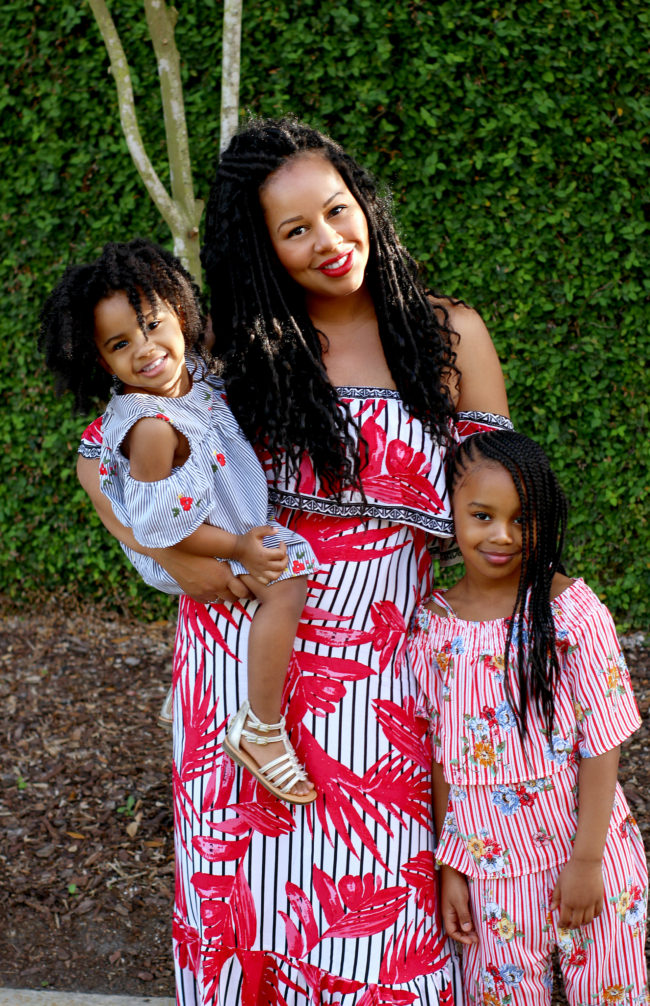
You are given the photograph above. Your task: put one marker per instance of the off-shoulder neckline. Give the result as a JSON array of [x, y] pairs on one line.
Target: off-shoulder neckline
[[451, 616]]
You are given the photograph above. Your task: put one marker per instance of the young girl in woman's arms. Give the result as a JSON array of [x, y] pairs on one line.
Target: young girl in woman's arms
[[530, 699], [176, 466]]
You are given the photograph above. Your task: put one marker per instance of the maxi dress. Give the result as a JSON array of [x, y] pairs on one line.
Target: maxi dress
[[335, 902]]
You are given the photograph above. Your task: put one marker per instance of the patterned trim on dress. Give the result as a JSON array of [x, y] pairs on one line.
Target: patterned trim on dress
[[404, 515], [87, 450], [350, 391], [486, 419]]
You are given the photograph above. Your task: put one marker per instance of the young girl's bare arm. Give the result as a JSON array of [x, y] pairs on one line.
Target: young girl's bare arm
[[454, 895], [579, 890]]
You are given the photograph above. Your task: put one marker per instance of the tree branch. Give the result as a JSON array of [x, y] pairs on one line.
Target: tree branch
[[180, 211], [161, 21], [230, 62]]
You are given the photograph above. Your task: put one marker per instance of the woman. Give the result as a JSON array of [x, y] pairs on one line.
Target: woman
[[340, 362]]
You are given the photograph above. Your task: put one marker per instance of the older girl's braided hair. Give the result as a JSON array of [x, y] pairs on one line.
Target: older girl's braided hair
[[270, 350], [143, 271], [531, 631]]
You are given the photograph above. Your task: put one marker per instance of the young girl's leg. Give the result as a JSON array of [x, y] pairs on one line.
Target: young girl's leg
[[270, 644], [270, 641]]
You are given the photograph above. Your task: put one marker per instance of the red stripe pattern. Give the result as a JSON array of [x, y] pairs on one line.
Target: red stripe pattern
[[513, 808]]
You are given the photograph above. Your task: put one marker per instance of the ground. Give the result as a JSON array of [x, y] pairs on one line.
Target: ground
[[86, 848]]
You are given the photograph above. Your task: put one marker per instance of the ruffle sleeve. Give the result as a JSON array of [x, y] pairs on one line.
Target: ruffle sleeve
[[91, 440], [469, 423], [402, 469], [164, 513], [151, 572], [605, 707]]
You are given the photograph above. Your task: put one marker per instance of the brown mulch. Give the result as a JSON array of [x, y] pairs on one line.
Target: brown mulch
[[86, 847]]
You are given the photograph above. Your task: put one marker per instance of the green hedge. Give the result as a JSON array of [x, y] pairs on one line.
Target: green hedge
[[516, 140]]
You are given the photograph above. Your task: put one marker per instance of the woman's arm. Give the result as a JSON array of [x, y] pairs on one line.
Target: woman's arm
[[201, 577], [481, 387], [579, 890]]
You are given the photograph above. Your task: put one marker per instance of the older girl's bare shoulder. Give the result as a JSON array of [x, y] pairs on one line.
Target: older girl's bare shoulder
[[435, 608], [559, 583]]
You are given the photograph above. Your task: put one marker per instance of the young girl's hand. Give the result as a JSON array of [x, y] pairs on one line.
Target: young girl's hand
[[578, 893], [264, 564], [455, 907]]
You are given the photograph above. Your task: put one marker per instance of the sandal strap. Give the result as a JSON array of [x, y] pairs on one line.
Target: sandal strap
[[283, 772], [254, 738], [263, 727]]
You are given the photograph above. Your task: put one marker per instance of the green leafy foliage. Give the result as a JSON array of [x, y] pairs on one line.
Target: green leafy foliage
[[516, 140]]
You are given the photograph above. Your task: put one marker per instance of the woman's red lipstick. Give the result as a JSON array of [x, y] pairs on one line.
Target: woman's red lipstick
[[342, 269]]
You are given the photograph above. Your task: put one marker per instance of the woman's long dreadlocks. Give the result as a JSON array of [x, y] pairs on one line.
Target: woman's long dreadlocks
[[145, 273], [544, 515], [271, 352]]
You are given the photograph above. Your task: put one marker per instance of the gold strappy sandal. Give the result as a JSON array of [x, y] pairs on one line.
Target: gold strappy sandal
[[278, 776]]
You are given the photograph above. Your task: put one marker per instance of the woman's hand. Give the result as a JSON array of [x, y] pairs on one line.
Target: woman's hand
[[264, 564], [455, 906], [202, 578]]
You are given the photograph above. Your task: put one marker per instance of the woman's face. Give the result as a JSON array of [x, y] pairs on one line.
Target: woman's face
[[317, 228]]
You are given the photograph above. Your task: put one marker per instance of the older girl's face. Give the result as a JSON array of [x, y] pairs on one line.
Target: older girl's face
[[317, 228], [487, 522]]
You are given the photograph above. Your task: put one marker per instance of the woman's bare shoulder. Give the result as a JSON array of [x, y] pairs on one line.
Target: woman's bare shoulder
[[461, 318], [482, 387]]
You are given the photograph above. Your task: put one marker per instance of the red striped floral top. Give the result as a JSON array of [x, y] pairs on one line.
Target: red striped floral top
[[513, 807]]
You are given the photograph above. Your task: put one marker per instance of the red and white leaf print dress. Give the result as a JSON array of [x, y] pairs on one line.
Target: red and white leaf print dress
[[335, 902]]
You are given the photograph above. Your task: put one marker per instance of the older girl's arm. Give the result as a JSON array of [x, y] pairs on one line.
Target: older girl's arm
[[454, 893], [579, 890]]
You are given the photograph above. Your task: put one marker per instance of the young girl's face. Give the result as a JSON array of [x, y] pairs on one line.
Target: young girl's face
[[153, 361], [487, 520]]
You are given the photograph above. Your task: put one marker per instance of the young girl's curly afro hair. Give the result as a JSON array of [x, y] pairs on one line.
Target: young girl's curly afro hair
[[272, 354], [147, 274], [543, 527]]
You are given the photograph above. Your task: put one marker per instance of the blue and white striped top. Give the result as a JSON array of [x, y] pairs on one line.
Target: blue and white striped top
[[221, 483]]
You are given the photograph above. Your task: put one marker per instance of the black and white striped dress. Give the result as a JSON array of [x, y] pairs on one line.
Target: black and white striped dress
[[334, 903]]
